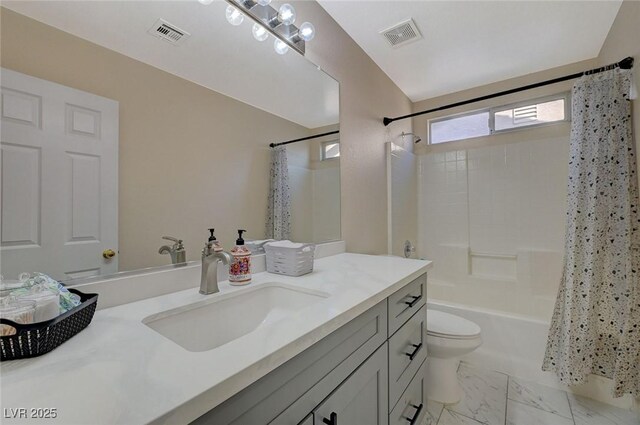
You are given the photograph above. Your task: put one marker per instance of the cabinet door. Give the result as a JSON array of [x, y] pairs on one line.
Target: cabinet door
[[308, 420], [361, 399]]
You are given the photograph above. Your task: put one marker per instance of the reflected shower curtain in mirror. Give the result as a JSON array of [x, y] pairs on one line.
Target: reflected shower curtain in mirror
[[596, 321], [279, 208]]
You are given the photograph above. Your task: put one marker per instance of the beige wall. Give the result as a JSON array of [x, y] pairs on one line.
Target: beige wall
[[190, 158], [366, 96], [624, 40]]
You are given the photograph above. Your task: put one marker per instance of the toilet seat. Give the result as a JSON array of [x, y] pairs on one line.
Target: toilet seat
[[445, 325]]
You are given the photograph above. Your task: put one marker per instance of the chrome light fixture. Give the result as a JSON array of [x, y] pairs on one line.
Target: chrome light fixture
[[280, 47], [234, 16], [287, 14], [259, 32], [268, 20]]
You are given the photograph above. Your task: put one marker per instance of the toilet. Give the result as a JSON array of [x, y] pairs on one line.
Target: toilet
[[449, 337]]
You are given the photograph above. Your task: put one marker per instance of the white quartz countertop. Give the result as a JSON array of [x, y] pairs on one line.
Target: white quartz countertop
[[118, 370]]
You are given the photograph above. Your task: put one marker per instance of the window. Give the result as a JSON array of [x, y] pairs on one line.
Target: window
[[330, 150], [527, 114], [460, 127]]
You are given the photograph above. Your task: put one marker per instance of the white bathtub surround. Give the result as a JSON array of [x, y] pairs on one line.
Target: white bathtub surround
[[492, 220], [524, 403], [514, 344], [596, 322], [119, 370]]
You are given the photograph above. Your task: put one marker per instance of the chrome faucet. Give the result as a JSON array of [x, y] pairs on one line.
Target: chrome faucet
[[176, 251], [210, 260]]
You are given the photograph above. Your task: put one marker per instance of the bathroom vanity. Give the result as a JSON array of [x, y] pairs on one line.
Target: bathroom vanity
[[342, 345], [359, 374]]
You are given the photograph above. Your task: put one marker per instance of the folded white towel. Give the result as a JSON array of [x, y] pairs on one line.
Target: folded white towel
[[287, 244]]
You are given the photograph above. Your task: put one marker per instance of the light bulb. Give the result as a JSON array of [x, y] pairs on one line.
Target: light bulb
[[287, 14], [264, 2], [259, 32], [306, 31], [280, 47], [206, 2], [234, 16]]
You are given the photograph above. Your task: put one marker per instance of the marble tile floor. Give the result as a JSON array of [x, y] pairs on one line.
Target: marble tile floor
[[493, 398]]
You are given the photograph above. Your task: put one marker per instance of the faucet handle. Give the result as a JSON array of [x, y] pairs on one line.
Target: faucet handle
[[177, 242]]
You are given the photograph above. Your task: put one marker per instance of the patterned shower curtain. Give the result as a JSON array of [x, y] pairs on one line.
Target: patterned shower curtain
[[279, 208], [596, 321]]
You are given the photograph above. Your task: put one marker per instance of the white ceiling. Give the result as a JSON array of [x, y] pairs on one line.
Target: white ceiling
[[218, 55], [472, 43]]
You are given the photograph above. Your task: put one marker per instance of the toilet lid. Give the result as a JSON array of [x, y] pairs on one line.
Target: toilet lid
[[445, 324]]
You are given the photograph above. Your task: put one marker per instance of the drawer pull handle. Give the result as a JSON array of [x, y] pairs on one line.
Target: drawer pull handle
[[413, 302], [416, 415], [333, 419], [415, 351]]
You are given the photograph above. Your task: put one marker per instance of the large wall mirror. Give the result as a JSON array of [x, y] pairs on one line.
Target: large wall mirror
[[113, 137]]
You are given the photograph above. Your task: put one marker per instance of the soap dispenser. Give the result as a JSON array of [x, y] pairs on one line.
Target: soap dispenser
[[240, 268], [213, 242]]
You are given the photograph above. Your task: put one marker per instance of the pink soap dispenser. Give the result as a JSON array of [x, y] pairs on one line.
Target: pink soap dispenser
[[240, 268]]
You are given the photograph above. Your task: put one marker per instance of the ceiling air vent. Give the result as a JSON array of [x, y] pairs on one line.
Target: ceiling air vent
[[168, 32], [402, 33]]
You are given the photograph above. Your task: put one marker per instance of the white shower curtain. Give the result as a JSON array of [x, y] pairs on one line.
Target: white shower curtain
[[279, 207], [596, 322]]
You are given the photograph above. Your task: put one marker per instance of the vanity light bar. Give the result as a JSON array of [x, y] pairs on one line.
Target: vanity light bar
[[267, 17]]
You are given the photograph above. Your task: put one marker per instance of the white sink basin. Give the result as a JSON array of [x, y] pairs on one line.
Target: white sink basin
[[216, 321]]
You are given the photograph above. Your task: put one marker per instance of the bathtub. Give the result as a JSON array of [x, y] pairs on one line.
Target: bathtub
[[515, 345]]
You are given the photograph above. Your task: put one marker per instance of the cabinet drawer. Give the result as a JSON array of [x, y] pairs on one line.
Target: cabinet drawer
[[412, 405], [407, 350], [405, 302]]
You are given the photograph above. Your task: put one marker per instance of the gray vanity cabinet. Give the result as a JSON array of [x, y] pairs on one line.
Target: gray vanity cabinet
[[361, 399], [288, 394], [368, 372]]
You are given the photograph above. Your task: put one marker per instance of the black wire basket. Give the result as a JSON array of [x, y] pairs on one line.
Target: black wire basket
[[36, 339]]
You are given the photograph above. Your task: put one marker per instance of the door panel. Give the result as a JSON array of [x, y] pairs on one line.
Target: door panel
[[21, 204], [59, 179]]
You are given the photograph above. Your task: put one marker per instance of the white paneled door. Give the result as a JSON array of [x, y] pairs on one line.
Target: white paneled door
[[59, 179]]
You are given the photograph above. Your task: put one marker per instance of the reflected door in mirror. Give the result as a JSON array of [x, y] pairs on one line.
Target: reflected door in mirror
[[59, 179]]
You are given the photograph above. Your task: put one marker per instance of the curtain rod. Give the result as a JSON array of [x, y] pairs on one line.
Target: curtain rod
[[273, 145], [626, 63]]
